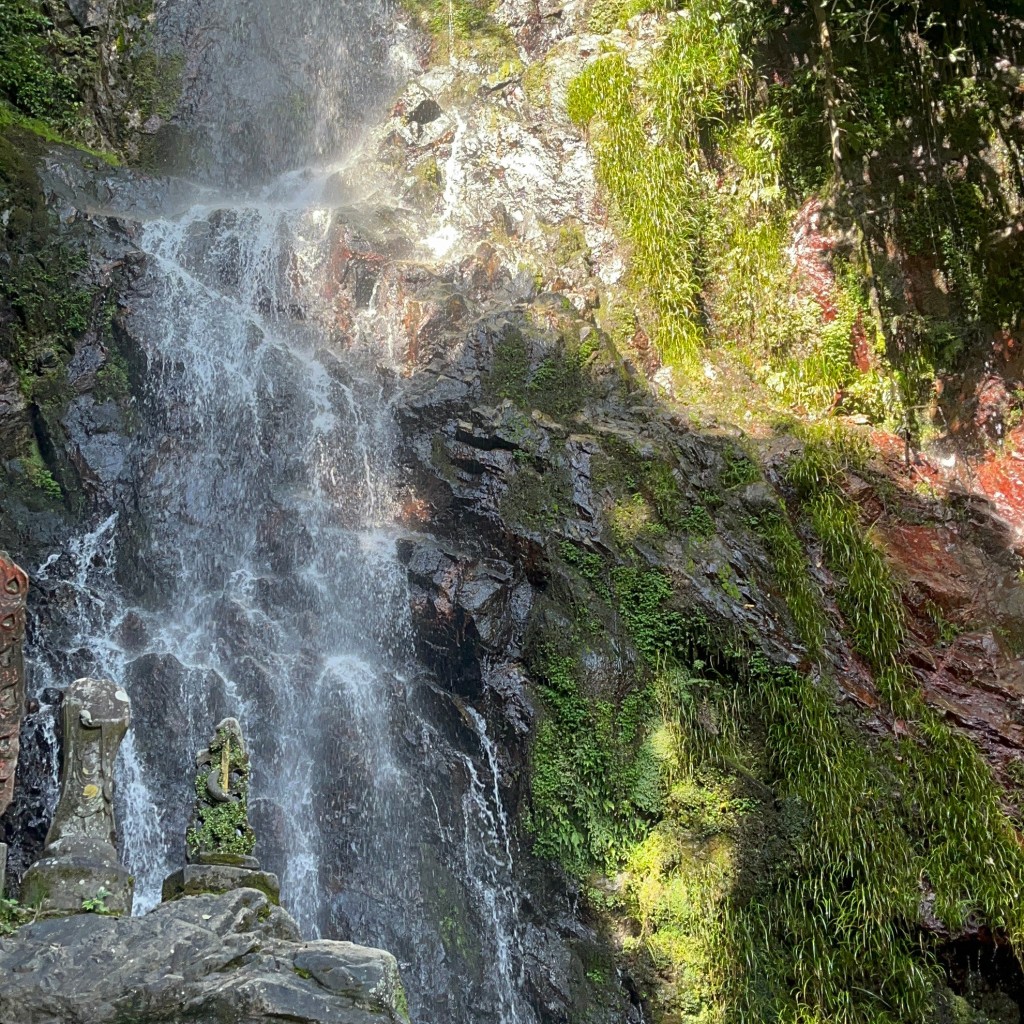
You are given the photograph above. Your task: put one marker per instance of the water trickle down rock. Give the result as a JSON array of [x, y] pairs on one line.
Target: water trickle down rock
[[79, 865], [220, 839], [13, 592]]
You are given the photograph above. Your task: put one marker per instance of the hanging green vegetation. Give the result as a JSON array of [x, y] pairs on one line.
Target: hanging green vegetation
[[779, 854], [974, 860], [889, 119], [682, 92], [710, 231], [40, 66], [463, 27]]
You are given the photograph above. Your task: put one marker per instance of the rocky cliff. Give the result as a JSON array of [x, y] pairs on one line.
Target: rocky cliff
[[747, 633]]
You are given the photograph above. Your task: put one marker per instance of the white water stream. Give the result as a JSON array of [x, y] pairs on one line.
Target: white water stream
[[254, 572]]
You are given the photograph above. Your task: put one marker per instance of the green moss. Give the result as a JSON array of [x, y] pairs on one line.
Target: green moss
[[464, 28], [112, 381], [538, 501], [428, 172], [632, 519], [555, 384], [570, 245], [648, 501], [155, 81], [222, 828], [402, 1003], [590, 565], [39, 476], [593, 778]]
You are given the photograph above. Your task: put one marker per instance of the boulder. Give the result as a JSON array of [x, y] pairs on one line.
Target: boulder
[[199, 960]]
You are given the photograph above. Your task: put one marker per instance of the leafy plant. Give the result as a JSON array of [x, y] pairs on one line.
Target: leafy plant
[[12, 916], [97, 904], [39, 66]]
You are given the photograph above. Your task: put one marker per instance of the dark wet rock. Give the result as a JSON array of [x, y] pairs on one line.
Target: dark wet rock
[[468, 612], [96, 445], [201, 960], [425, 111], [15, 425]]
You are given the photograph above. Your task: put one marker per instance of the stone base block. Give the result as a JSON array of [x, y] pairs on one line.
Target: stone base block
[[196, 879], [77, 884], [231, 860]]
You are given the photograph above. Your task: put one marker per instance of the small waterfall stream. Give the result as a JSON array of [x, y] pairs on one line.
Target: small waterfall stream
[[254, 573]]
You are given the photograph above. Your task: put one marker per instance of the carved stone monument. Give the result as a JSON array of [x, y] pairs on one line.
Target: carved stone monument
[[220, 839], [13, 593], [79, 869]]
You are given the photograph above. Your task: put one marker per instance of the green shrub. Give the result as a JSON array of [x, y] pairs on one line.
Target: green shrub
[[38, 65]]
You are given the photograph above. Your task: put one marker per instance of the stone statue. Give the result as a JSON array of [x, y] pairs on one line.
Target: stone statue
[[79, 864], [220, 840], [13, 593]]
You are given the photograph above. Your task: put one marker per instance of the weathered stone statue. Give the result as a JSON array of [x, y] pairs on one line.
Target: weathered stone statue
[[220, 839], [13, 592], [79, 869]]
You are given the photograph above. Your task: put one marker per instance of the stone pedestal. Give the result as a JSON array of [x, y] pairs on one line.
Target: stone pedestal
[[80, 862], [219, 877]]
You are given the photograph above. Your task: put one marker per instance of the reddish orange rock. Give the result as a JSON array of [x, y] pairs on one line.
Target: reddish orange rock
[[13, 592]]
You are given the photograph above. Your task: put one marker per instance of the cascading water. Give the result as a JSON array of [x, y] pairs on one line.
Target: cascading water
[[255, 573]]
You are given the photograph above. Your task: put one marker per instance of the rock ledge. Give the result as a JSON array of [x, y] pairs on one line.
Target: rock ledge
[[200, 960]]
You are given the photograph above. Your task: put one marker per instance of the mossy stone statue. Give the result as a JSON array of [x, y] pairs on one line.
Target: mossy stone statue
[[220, 840], [79, 869]]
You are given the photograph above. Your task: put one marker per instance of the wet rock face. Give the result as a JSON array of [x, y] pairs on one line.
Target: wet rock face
[[14, 422], [67, 365], [506, 456], [69, 374], [203, 959]]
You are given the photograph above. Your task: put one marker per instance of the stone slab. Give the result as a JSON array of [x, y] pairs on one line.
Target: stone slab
[[195, 879]]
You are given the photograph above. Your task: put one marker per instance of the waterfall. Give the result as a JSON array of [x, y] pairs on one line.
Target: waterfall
[[489, 866], [255, 573]]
